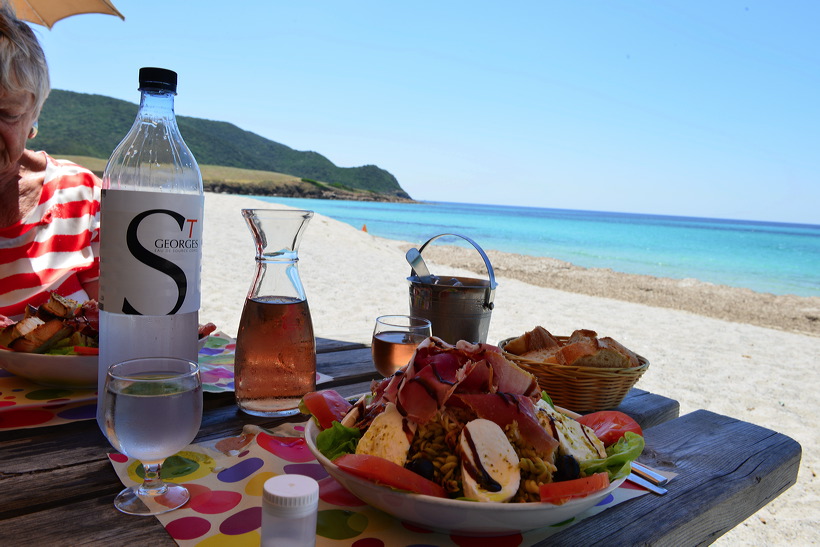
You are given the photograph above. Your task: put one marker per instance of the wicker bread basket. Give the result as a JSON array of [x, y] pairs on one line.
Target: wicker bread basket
[[578, 388]]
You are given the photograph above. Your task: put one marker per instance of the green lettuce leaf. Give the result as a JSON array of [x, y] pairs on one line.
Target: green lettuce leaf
[[619, 457], [546, 398], [338, 440], [61, 350]]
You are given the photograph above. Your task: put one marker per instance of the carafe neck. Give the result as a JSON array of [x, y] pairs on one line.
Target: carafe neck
[[284, 256]]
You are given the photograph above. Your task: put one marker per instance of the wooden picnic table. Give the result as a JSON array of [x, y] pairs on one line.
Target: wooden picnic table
[[57, 486]]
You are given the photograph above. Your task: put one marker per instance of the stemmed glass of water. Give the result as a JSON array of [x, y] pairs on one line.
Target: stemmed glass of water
[[153, 409]]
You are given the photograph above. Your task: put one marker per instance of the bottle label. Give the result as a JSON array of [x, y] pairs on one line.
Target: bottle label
[[150, 252]]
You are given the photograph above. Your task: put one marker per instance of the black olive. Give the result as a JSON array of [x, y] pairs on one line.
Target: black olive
[[568, 468], [422, 467]]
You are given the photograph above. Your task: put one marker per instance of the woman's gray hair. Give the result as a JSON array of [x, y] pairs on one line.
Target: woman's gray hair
[[23, 64]]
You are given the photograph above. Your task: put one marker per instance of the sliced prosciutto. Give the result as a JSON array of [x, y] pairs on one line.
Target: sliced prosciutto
[[439, 370], [510, 378], [429, 380], [478, 380], [507, 377]]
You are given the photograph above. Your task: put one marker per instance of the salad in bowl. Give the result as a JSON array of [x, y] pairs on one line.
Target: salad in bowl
[[462, 440], [57, 343]]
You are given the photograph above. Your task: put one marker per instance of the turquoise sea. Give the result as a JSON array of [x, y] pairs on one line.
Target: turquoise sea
[[776, 258]]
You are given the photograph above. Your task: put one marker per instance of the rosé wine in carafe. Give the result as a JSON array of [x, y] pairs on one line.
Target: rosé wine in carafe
[[275, 362]]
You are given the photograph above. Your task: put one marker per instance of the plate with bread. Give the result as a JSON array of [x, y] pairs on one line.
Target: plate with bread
[[581, 372]]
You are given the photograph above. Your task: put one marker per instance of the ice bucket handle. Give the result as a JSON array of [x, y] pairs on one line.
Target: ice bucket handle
[[488, 300]]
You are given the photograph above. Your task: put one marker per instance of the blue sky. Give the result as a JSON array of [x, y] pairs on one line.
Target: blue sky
[[686, 107]]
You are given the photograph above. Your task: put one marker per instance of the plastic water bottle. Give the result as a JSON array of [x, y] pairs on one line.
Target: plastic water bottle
[[151, 214]]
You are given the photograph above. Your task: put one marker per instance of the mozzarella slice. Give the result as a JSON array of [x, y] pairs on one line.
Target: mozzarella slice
[[386, 437], [577, 440], [352, 415], [489, 464]]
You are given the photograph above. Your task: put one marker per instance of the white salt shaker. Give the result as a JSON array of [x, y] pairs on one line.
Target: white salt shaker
[[289, 507]]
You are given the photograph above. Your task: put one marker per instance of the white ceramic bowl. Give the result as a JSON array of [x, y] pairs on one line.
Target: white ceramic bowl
[[75, 371], [453, 516]]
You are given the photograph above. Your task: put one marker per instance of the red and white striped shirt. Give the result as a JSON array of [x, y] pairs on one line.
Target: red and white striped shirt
[[56, 247]]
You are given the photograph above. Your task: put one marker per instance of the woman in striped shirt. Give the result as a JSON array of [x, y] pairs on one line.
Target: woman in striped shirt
[[49, 209]]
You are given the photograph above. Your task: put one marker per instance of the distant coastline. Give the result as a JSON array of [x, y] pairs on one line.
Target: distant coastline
[[299, 191]]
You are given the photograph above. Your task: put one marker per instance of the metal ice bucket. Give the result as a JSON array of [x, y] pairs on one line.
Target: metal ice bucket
[[459, 308]]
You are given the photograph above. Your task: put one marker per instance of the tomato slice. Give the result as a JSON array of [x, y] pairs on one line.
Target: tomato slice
[[610, 425], [381, 471], [326, 406], [561, 492], [84, 350]]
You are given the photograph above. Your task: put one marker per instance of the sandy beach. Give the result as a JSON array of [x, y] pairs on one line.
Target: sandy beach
[[730, 351]]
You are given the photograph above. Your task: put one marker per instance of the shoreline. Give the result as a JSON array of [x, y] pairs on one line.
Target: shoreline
[[797, 314], [763, 375], [757, 285], [302, 189]]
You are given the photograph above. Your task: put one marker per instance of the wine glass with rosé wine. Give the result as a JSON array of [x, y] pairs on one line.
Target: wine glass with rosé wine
[[153, 409], [395, 338]]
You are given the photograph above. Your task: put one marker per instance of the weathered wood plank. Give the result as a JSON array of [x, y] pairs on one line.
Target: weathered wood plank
[[327, 345], [356, 362], [90, 522], [728, 469], [649, 409]]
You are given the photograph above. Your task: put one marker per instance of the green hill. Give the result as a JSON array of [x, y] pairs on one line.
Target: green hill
[[234, 180], [79, 124]]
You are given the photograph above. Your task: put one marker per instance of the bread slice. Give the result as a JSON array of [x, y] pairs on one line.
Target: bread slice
[[551, 355], [610, 344], [585, 349], [59, 306], [582, 348], [581, 335], [43, 337], [19, 330], [599, 353], [604, 358], [535, 340]]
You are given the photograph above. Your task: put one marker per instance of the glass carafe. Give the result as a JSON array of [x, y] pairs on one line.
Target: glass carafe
[[275, 346]]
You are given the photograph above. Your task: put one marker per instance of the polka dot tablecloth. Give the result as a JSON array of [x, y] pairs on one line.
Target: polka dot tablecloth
[[225, 478], [24, 404]]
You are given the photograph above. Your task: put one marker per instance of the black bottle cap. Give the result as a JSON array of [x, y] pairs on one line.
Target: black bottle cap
[[158, 78]]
